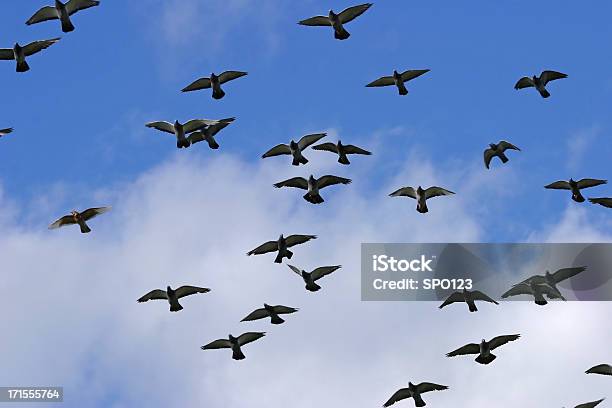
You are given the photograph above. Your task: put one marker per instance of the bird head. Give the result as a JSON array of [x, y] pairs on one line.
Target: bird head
[[267, 306], [547, 273], [17, 46], [231, 338], [213, 76], [177, 124], [168, 288], [74, 213], [339, 142], [58, 3], [493, 146], [281, 237], [293, 145], [483, 341], [411, 385], [420, 190], [332, 14], [312, 179], [572, 181]]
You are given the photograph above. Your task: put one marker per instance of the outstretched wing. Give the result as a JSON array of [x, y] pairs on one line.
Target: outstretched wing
[[256, 315], [351, 149], [566, 273], [217, 127], [292, 240], [399, 395], [295, 269], [249, 337], [352, 13], [478, 295], [269, 246], [328, 147], [197, 124], [156, 294], [488, 156], [307, 140], [217, 344], [37, 46], [591, 404], [329, 180], [413, 73], [436, 192], [7, 54], [190, 290], [588, 182], [297, 182], [471, 348], [405, 192], [504, 145], [604, 369], [382, 81], [77, 5], [44, 14], [318, 21], [200, 83], [520, 289], [65, 220], [90, 213], [559, 185], [604, 201], [501, 340], [277, 151], [453, 298], [547, 76], [280, 309], [230, 75], [323, 271], [426, 387], [524, 82], [161, 125], [4, 132]]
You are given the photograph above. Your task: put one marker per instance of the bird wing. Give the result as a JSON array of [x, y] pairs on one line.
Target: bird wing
[[293, 240], [524, 82], [161, 125], [436, 192], [520, 289], [217, 127], [200, 83], [471, 348], [352, 13], [504, 145], [65, 220], [547, 76], [328, 147], [382, 81], [7, 54], [196, 137], [501, 340], [256, 315], [156, 294], [605, 369], [297, 182], [488, 155], [280, 309], [44, 14], [318, 21], [559, 185], [606, 202], [197, 124], [399, 395], [249, 337], [591, 404], [478, 295], [217, 344], [426, 387], [330, 180], [307, 140], [295, 269], [351, 149], [587, 182], [566, 273], [230, 75], [454, 297], [269, 246], [37, 46], [277, 151], [77, 5], [190, 290], [413, 73], [404, 191], [4, 132], [324, 270], [90, 213]]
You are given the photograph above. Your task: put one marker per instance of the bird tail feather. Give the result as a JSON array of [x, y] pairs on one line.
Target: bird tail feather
[[313, 198], [418, 401], [84, 228], [276, 319], [67, 26], [486, 359], [544, 93], [238, 355], [343, 159], [22, 66], [341, 34], [402, 89]]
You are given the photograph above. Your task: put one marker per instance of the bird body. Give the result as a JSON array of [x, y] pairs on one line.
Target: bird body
[[484, 348], [79, 218], [539, 82], [234, 343], [62, 11], [272, 312], [208, 133], [310, 278], [468, 297], [294, 148], [497, 150], [281, 246], [415, 392], [535, 289], [341, 150], [421, 195], [313, 185], [576, 186], [337, 20], [172, 295], [19, 53], [398, 79], [214, 82], [180, 130], [552, 279]]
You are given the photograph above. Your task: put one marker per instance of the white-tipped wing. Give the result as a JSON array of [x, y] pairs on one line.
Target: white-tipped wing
[[269, 246], [293, 240], [323, 271], [351, 149], [256, 315], [501, 340], [588, 182], [603, 201], [249, 337], [559, 185], [603, 369], [329, 180], [399, 395], [7, 54], [44, 14], [297, 182], [190, 290], [156, 294], [200, 83], [352, 13], [77, 5], [37, 46], [4, 132], [453, 298], [413, 73], [90, 213], [328, 147], [465, 350], [566, 273], [524, 82], [436, 192], [230, 75], [161, 125], [382, 81], [217, 344], [547, 76], [405, 192], [277, 151], [307, 140], [318, 21]]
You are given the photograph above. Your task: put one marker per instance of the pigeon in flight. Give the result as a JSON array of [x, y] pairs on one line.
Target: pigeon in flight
[[62, 11], [398, 79], [281, 246], [313, 185], [498, 150], [603, 369], [214, 82], [79, 218], [552, 279], [484, 348], [603, 201], [295, 149], [337, 21], [208, 133], [173, 295], [310, 277], [180, 130], [341, 150], [576, 186], [591, 404], [272, 312], [19, 53], [540, 82], [468, 297], [415, 392], [234, 343], [4, 132], [421, 195], [535, 289]]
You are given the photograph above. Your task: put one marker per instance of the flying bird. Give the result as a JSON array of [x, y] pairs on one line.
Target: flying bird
[[421, 195], [234, 343], [272, 312], [552, 279], [214, 82], [281, 246], [313, 185], [603, 369], [484, 348], [4, 132], [576, 186], [341, 150], [603, 201], [62, 11], [591, 404], [208, 133], [180, 130], [337, 21], [414, 392], [540, 82], [468, 297], [535, 289], [398, 79], [295, 149], [19, 53], [79, 218], [173, 295], [311, 277], [498, 150]]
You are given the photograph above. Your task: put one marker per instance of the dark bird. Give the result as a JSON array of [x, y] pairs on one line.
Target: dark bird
[[214, 82], [79, 218], [552, 279], [208, 133], [603, 201], [272, 312], [4, 132], [603, 369], [484, 348], [234, 343], [537, 290], [337, 21], [311, 277], [498, 150], [281, 246], [341, 150], [398, 79], [421, 195], [414, 392], [591, 404], [173, 295], [19, 53], [295, 149], [576, 186], [62, 11], [313, 185], [468, 297], [540, 82], [180, 130]]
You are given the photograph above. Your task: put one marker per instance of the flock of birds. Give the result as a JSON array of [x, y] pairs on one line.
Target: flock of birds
[[197, 130]]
